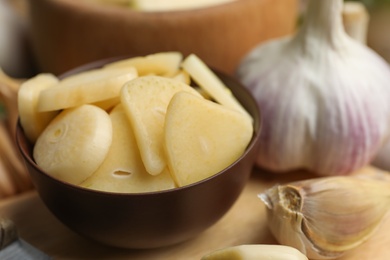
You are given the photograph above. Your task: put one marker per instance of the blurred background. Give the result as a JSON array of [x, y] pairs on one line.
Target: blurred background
[[19, 26]]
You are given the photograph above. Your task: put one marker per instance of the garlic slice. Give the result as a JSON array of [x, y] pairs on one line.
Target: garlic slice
[[327, 216]]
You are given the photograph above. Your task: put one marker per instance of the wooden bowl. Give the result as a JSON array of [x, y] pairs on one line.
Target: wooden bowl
[[153, 219], [68, 33]]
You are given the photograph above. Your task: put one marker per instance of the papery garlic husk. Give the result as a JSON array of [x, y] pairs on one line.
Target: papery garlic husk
[[324, 97], [327, 216]]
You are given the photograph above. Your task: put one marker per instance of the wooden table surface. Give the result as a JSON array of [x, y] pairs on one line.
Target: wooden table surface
[[245, 223]]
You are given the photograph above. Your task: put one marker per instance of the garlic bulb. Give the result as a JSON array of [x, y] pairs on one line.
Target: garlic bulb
[[324, 97], [327, 216]]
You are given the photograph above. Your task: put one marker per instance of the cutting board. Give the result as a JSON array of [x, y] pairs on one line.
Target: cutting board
[[245, 223]]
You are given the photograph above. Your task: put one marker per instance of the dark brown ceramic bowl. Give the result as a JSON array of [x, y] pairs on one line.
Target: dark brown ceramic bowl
[[147, 220]]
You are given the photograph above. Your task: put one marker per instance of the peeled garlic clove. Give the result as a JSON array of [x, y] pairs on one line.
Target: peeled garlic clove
[[325, 217], [250, 252], [323, 96], [74, 144]]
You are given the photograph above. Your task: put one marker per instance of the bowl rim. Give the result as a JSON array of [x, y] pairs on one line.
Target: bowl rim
[[98, 64]]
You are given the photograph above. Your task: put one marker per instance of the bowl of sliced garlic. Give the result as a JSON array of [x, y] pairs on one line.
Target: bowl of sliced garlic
[[139, 152], [218, 31]]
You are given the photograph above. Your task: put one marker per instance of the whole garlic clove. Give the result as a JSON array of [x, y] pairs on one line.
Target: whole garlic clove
[[323, 96], [327, 216]]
